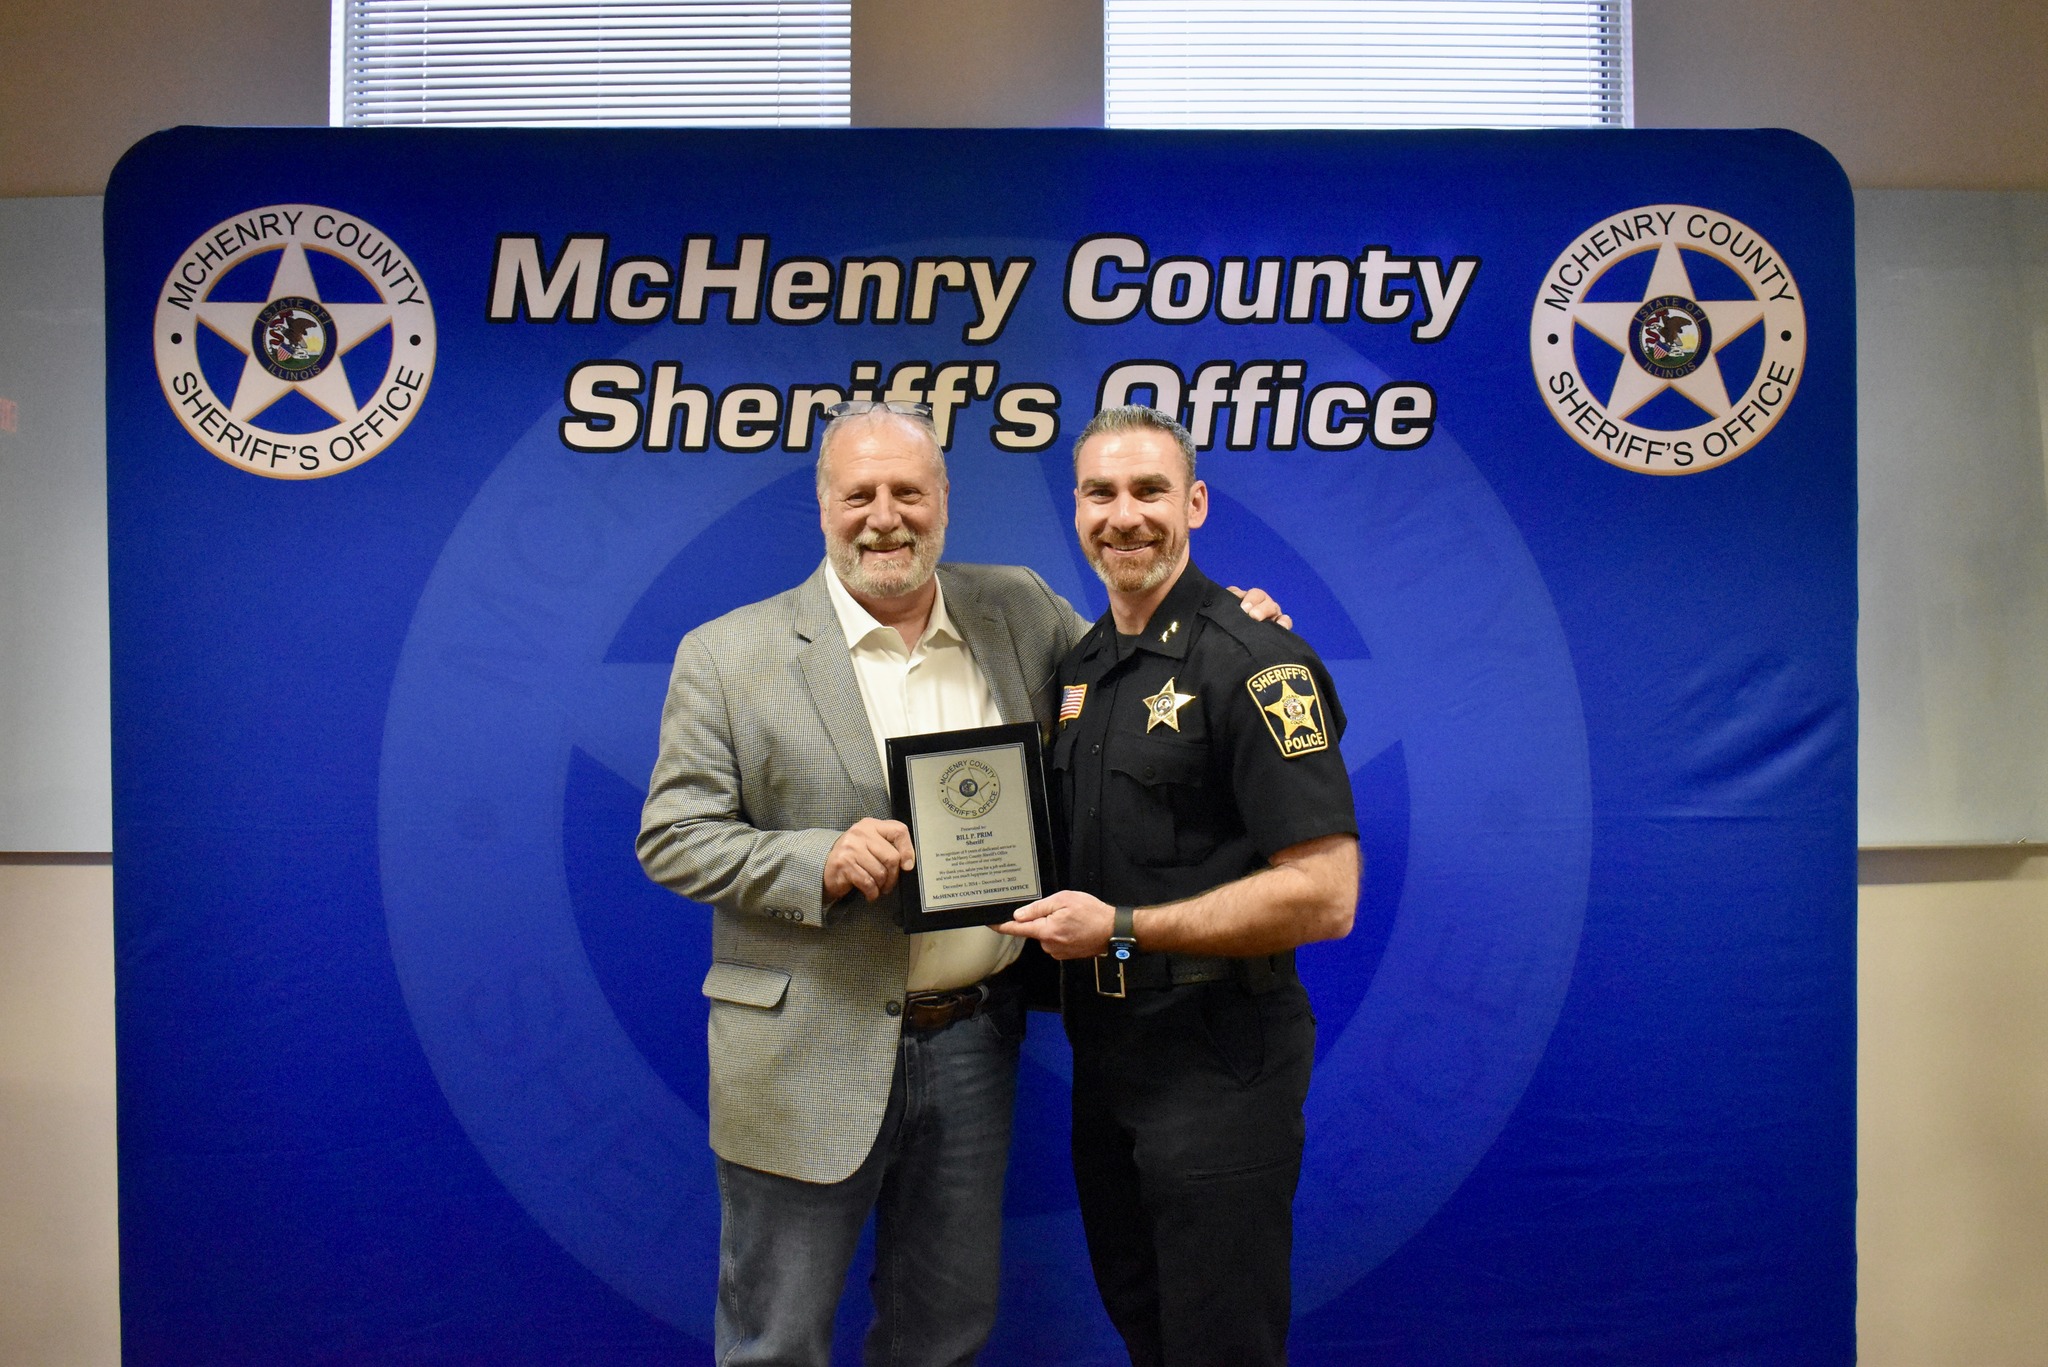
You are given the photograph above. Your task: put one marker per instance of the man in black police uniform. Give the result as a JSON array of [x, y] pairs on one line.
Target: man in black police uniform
[[1209, 831]]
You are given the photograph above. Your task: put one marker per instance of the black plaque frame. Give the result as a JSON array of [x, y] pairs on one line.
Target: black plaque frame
[[910, 887]]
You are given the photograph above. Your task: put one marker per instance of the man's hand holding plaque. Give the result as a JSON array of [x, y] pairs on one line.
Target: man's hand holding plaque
[[868, 859]]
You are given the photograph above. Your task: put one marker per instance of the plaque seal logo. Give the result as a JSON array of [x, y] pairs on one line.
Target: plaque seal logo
[[969, 789]]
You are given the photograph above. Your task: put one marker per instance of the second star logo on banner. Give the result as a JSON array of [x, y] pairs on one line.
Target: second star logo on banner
[[1670, 340]]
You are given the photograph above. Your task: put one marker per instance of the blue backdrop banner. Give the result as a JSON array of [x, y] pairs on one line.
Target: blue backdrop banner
[[443, 439]]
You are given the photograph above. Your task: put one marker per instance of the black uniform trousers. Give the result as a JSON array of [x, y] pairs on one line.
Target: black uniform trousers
[[1187, 1149]]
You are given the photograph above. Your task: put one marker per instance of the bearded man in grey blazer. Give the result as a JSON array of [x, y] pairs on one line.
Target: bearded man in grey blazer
[[853, 1067]]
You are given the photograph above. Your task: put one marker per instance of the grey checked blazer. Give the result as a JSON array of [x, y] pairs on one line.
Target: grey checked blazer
[[766, 757]]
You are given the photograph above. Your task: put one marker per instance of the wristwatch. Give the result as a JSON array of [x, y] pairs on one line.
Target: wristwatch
[[1123, 935], [1123, 947]]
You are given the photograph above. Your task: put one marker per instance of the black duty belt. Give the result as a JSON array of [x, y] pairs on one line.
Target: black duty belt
[[1155, 972]]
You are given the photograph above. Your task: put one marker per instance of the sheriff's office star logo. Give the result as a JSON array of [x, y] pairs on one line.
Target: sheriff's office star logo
[[1163, 708], [292, 341], [969, 789], [1670, 409], [1287, 698]]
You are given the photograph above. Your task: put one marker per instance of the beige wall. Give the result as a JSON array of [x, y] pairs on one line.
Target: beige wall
[[1954, 947], [58, 1300], [949, 64], [1952, 1135], [87, 79], [1907, 95]]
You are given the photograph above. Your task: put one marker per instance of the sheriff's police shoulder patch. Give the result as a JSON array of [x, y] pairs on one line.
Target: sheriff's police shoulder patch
[[1293, 712]]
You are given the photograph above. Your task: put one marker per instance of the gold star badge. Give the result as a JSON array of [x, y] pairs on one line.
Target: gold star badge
[[1164, 706], [1293, 710]]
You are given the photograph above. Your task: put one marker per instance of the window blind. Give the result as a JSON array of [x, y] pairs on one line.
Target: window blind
[[604, 62], [1366, 63]]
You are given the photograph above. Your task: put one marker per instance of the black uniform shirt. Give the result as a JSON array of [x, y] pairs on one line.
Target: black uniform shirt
[[1199, 748]]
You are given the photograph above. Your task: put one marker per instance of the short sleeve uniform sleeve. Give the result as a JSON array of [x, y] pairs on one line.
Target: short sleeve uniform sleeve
[[1286, 721]]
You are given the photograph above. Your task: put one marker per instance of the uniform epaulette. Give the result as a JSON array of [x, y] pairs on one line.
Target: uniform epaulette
[[1261, 639]]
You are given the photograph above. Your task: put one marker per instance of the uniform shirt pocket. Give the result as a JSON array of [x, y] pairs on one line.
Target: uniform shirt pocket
[[1156, 799]]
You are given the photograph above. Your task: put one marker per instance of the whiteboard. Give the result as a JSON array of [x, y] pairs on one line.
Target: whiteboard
[[1952, 356], [54, 776]]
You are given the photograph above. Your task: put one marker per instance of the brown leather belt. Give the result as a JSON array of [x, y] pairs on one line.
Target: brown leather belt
[[929, 1011]]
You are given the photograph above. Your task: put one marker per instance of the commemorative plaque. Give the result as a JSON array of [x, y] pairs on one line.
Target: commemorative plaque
[[976, 807]]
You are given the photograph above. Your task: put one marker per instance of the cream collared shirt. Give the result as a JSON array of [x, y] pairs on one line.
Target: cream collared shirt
[[934, 686]]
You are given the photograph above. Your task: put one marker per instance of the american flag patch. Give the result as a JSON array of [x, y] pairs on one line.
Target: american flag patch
[[1070, 702]]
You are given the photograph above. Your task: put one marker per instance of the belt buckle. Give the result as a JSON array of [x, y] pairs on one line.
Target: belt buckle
[[1120, 989]]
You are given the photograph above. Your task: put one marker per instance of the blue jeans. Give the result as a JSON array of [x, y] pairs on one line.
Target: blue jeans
[[935, 1182]]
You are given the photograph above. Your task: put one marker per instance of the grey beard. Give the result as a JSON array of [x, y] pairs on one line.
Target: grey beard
[[924, 559]]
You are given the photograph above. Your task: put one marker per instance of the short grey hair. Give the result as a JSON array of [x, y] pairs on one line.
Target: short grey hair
[[911, 420], [1135, 417]]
